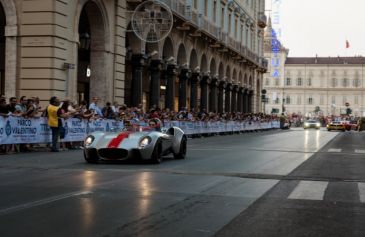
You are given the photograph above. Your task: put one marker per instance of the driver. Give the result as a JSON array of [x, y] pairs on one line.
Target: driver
[[127, 125], [155, 124]]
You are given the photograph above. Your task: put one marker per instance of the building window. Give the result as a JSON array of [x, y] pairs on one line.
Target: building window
[[321, 100], [299, 100], [356, 100], [222, 18], [229, 23], [333, 100], [242, 34], [267, 82], [288, 81], [195, 4], [287, 100], [344, 82], [205, 7], [276, 101], [309, 82], [334, 82], [235, 27], [276, 81], [214, 12], [310, 100], [299, 81], [356, 82]]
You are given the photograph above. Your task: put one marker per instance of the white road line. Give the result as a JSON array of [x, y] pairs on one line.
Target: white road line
[[310, 190], [334, 150], [361, 187], [359, 151], [41, 202]]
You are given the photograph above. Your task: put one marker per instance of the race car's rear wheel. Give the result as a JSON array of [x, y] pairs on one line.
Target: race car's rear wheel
[[182, 150], [91, 158], [157, 153]]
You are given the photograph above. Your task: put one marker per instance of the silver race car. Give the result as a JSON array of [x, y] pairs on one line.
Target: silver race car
[[144, 142]]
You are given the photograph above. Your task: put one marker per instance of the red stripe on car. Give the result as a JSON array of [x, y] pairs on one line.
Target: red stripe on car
[[114, 143]]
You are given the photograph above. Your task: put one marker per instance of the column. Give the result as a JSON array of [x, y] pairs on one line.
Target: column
[[195, 77], [221, 86], [245, 100], [204, 93], [138, 62], [234, 99], [227, 107], [213, 95], [183, 78], [240, 99], [155, 70], [250, 100], [170, 86]]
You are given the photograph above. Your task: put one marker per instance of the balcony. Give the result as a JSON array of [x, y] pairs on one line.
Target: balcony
[[202, 24]]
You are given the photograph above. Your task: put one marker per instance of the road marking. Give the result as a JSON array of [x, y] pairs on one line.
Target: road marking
[[334, 150], [359, 151], [41, 202], [361, 187], [310, 190]]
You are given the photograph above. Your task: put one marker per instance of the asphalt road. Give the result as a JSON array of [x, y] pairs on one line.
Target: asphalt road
[[276, 183]]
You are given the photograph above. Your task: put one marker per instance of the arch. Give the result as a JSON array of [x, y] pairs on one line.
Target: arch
[[181, 55], [234, 76], [213, 67], [168, 48], [204, 64], [245, 81], [134, 44], [240, 78], [228, 74], [10, 48], [152, 48], [93, 22], [221, 71], [194, 60]]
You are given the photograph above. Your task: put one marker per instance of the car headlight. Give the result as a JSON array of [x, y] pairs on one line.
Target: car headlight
[[306, 124], [88, 140], [144, 142], [318, 124]]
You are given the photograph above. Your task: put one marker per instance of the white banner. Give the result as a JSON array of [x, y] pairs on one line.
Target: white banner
[[16, 130]]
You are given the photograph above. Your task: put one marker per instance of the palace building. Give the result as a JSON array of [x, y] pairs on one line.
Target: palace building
[[312, 86], [213, 58]]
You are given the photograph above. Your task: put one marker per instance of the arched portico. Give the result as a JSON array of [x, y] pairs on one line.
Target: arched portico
[[8, 48], [93, 57]]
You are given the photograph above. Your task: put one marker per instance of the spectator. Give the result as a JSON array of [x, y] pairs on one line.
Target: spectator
[[4, 111], [22, 107], [94, 106], [108, 112], [12, 106], [54, 121]]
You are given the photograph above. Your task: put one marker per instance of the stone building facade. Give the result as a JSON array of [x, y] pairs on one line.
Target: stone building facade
[[212, 59], [312, 86]]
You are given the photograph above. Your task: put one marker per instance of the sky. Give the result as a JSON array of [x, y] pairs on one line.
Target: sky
[[320, 27]]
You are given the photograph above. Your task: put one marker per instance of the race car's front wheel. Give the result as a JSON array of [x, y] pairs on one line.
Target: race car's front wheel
[[91, 157], [157, 153], [182, 150]]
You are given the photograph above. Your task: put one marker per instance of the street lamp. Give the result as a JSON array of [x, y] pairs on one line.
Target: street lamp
[[84, 41]]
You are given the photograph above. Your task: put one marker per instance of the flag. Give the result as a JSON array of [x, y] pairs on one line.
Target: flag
[[347, 44]]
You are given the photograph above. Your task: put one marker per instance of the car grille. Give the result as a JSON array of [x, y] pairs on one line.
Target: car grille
[[113, 153]]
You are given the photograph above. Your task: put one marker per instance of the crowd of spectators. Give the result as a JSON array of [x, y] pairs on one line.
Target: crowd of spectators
[[31, 108]]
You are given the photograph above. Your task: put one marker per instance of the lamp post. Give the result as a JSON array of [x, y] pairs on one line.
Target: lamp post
[[84, 41]]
